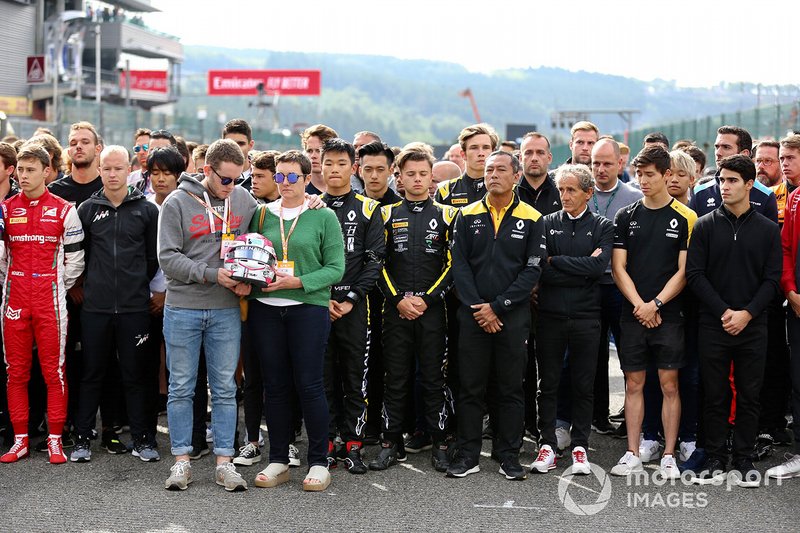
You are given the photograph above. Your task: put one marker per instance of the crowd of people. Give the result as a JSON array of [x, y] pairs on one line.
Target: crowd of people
[[417, 304]]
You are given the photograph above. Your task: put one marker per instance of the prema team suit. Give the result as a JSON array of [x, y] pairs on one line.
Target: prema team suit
[[44, 258]]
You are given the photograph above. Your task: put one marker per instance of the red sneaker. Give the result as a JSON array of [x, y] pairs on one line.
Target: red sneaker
[[18, 451], [56, 451]]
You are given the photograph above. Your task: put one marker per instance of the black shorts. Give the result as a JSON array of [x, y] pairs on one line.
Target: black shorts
[[639, 346]]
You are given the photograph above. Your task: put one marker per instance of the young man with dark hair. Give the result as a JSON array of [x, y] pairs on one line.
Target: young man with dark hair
[[656, 138], [43, 259], [649, 264], [376, 160], [498, 248], [477, 142], [706, 198], [416, 276], [202, 306], [347, 357], [734, 268], [262, 174], [240, 132], [120, 229], [579, 245], [8, 162]]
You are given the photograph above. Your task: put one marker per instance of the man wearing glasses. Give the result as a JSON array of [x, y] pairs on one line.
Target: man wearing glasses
[[141, 147], [197, 223]]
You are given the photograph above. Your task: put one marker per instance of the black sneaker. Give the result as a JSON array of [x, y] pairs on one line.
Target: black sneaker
[[440, 457], [199, 448], [713, 472], [69, 440], [463, 466], [82, 452], [621, 432], [745, 474], [111, 443], [782, 436], [764, 446], [388, 456], [603, 427], [619, 416], [353, 461], [333, 454], [511, 468], [418, 442]]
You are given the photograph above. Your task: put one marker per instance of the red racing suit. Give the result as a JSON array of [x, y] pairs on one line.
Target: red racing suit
[[43, 258]]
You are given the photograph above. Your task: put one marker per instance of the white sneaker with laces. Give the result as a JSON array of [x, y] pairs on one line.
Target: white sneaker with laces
[[686, 450], [789, 469], [669, 468], [545, 461], [628, 464], [580, 463], [649, 450]]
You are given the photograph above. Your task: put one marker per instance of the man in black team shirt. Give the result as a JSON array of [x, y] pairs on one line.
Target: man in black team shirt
[[347, 357], [477, 142], [84, 147], [734, 268], [649, 264]]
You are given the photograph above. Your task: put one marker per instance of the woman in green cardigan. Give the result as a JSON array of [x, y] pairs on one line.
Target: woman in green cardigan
[[289, 321]]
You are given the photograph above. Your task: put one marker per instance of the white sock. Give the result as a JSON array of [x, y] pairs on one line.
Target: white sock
[[53, 436]]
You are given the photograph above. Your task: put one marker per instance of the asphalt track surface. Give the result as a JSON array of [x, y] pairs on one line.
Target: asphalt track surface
[[122, 493]]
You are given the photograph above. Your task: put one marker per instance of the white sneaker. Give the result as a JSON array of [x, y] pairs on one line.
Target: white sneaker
[[649, 450], [580, 463], [789, 469], [210, 434], [563, 438], [686, 450], [260, 439], [294, 456], [669, 468], [627, 465], [545, 461]]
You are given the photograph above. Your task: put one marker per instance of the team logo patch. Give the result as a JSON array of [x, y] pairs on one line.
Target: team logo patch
[[100, 215], [710, 202], [673, 223], [399, 224], [18, 220], [433, 224], [18, 212], [50, 212], [12, 314], [351, 216], [459, 201], [520, 224]]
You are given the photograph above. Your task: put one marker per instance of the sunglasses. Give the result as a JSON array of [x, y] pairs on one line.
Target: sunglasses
[[141, 147], [291, 177], [227, 181]]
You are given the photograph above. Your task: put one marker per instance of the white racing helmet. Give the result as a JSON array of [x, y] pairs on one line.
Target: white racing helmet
[[251, 259]]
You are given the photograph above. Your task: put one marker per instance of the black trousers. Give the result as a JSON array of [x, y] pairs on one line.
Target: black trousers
[[410, 346], [777, 382], [501, 357], [611, 301], [531, 378], [125, 337], [793, 329], [253, 389], [556, 336], [375, 372], [748, 353], [346, 363]]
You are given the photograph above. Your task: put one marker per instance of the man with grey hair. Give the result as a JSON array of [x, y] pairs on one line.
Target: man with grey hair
[[579, 245], [120, 230]]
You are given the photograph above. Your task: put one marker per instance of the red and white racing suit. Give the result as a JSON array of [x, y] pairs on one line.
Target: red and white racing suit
[[43, 258]]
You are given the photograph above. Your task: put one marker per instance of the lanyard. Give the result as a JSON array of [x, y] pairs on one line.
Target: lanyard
[[611, 199], [225, 218], [285, 238]]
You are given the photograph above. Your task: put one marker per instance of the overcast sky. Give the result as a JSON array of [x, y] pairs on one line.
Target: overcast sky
[[694, 42]]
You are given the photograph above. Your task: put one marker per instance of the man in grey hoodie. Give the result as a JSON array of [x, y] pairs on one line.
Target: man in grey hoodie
[[197, 221]]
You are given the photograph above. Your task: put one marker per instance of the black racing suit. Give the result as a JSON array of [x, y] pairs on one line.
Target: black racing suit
[[417, 264], [347, 357], [461, 191]]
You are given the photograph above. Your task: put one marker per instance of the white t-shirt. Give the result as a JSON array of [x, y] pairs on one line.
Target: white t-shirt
[[289, 213]]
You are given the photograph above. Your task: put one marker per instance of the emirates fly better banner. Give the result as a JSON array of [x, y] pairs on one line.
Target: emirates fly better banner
[[245, 82]]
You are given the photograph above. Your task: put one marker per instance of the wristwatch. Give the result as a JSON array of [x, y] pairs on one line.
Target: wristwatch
[[658, 303]]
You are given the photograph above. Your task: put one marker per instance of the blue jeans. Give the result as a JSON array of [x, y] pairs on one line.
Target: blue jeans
[[219, 332]]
